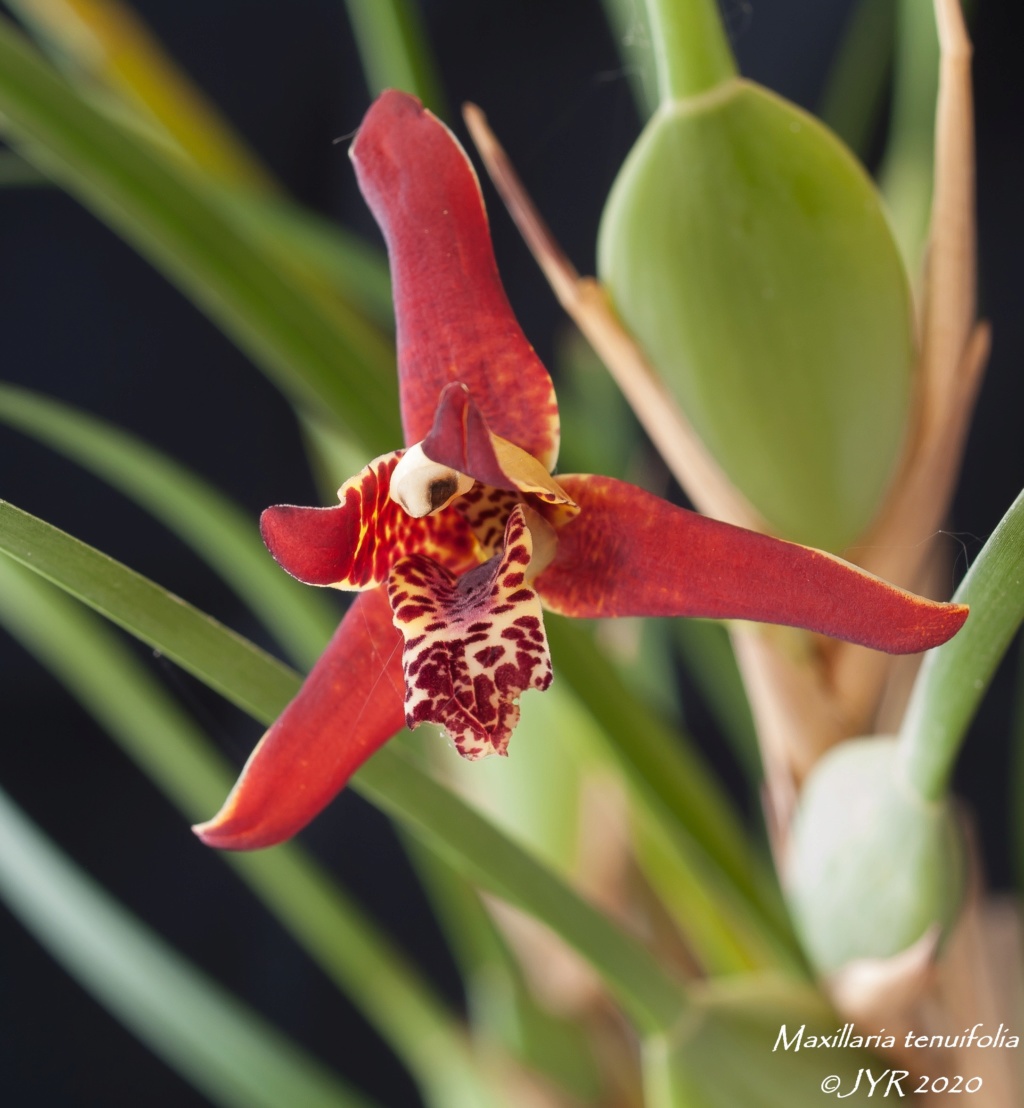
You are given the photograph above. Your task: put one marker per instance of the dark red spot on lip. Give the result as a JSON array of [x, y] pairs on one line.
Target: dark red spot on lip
[[490, 656]]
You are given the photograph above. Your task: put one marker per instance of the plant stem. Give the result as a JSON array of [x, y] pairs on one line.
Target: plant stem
[[690, 46]]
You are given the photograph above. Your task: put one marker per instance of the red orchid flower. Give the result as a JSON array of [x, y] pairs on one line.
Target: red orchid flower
[[457, 543]]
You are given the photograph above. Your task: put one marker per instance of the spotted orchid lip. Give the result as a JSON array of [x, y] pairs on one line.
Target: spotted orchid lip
[[473, 644], [448, 625]]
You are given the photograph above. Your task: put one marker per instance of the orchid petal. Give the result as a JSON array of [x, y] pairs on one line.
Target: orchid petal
[[632, 554], [353, 545], [461, 439], [453, 318], [473, 643], [348, 707]]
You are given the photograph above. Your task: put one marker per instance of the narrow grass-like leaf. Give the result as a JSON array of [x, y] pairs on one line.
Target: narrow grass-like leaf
[[394, 50], [107, 42], [905, 175], [211, 523], [855, 89], [722, 934], [391, 780], [668, 773], [15, 172], [954, 677], [323, 250], [318, 350], [733, 1051], [632, 33], [1016, 794], [238, 670], [228, 1052], [476, 848], [92, 661], [502, 1008], [710, 662]]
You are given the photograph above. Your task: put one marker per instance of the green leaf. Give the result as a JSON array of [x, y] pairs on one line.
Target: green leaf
[[319, 250], [106, 44], [1016, 793], [202, 517], [91, 660], [732, 1051], [391, 780], [671, 779], [227, 1051], [316, 348], [15, 172], [855, 91], [477, 849], [955, 676], [502, 1007], [748, 253], [393, 46], [709, 660], [238, 670], [632, 33], [905, 175]]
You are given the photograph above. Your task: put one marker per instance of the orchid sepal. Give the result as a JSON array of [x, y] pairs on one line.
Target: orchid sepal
[[453, 319], [630, 553], [347, 708]]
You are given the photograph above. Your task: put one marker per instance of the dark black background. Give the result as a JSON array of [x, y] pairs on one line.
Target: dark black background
[[84, 319]]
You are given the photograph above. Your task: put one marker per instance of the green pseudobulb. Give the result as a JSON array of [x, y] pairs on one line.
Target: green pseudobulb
[[872, 865], [748, 252]]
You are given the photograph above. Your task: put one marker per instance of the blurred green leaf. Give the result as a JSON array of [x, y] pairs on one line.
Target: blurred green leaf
[[93, 662], [477, 849], [709, 660], [211, 523], [672, 781], [395, 52], [316, 348], [631, 30], [748, 253], [722, 935], [262, 686], [15, 172], [105, 42], [318, 250], [502, 1007], [227, 1051], [955, 676], [230, 664], [1016, 791], [854, 93], [905, 175], [729, 1053]]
